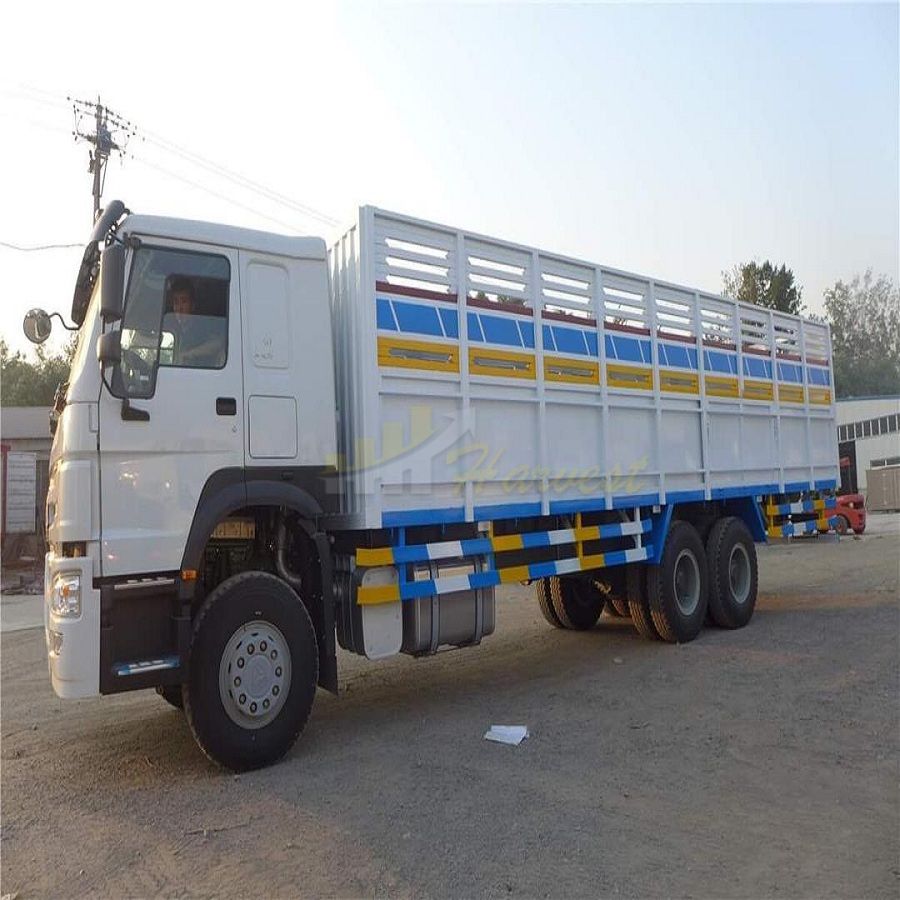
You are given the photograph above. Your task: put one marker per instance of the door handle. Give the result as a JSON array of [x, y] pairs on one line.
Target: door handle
[[226, 406]]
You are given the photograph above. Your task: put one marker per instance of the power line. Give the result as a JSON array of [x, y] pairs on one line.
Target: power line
[[39, 247], [241, 180], [214, 193]]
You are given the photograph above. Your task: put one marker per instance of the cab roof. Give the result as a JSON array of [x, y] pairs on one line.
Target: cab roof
[[224, 236]]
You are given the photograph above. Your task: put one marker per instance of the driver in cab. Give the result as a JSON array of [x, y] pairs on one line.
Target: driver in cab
[[197, 341]]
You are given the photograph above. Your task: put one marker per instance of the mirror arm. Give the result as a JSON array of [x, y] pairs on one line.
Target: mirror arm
[[63, 322]]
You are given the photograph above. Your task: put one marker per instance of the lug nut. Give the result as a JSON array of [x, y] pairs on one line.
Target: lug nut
[[253, 707], [250, 648], [274, 654], [266, 703], [237, 681], [262, 646], [278, 671], [275, 691], [242, 699], [240, 662]]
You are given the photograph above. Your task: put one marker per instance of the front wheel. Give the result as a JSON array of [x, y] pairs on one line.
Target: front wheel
[[253, 671]]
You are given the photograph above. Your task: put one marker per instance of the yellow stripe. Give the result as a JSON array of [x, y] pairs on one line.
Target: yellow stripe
[[717, 386], [514, 573], [381, 593], [789, 393], [629, 377], [507, 542], [776, 532], [679, 382], [501, 362], [378, 556], [758, 390], [587, 533], [821, 396], [572, 371], [597, 561], [406, 354]]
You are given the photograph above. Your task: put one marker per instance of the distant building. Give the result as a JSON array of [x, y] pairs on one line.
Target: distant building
[[868, 437], [25, 439]]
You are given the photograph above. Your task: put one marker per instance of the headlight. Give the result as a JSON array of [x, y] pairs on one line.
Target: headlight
[[65, 599]]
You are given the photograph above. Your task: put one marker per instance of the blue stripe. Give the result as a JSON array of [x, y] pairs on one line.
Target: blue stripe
[[473, 546], [684, 496], [794, 487], [423, 516], [548, 338], [570, 340], [507, 510], [450, 321], [487, 579], [826, 484], [417, 319], [527, 329], [749, 490], [535, 539], [542, 569], [615, 558], [383, 315], [499, 330], [474, 327], [625, 501], [572, 506]]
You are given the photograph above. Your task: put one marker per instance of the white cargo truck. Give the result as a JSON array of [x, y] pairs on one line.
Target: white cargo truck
[[266, 447]]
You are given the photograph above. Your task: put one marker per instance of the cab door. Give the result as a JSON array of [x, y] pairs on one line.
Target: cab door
[[180, 420]]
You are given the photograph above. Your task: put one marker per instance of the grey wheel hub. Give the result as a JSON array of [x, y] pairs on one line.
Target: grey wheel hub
[[255, 674], [686, 578], [739, 573]]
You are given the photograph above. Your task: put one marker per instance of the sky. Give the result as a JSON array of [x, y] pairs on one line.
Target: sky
[[671, 140]]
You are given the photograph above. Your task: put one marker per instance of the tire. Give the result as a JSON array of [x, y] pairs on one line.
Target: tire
[[617, 606], [171, 693], [678, 588], [542, 589], [733, 573], [638, 604], [576, 602], [249, 624], [842, 526]]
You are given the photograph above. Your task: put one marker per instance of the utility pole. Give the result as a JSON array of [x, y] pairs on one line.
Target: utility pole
[[110, 134]]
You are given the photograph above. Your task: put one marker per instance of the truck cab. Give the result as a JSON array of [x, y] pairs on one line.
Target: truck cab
[[215, 361]]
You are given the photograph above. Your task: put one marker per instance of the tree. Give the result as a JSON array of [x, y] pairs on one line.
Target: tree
[[865, 335], [765, 285], [26, 383]]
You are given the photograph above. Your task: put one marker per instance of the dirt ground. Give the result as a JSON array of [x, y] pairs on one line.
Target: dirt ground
[[760, 762]]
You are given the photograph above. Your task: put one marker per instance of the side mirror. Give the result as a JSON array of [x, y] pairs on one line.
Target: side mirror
[[109, 348], [112, 282], [37, 326]]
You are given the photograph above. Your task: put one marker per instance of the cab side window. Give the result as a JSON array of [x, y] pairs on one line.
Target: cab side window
[[176, 314]]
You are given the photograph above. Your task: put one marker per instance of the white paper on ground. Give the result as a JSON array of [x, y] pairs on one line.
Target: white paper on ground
[[507, 734]]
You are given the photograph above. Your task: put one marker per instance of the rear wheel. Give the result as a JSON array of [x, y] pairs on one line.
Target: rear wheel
[[733, 576], [617, 605], [678, 587], [638, 604], [576, 602], [253, 671], [542, 589]]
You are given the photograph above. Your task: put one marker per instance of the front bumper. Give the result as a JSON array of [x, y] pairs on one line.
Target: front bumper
[[73, 644]]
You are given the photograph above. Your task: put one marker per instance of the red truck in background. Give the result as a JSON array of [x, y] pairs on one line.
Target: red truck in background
[[850, 514]]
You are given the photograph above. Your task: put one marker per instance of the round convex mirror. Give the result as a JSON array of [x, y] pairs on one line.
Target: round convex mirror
[[37, 326]]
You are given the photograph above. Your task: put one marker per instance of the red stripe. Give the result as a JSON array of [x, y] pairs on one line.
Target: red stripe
[[500, 307], [413, 292], [559, 316]]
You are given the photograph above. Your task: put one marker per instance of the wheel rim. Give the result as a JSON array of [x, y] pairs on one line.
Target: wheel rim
[[255, 674], [739, 573], [686, 580]]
